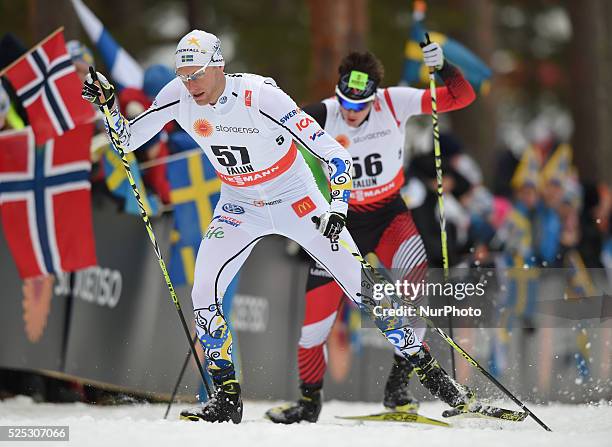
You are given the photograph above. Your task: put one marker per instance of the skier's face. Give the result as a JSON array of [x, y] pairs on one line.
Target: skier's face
[[355, 118], [204, 87]]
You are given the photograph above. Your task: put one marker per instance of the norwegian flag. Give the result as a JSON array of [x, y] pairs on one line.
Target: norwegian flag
[[45, 203], [49, 89]]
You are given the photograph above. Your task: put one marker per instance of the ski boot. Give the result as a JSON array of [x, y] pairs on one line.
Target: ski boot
[[439, 383], [397, 393], [307, 408], [225, 405]]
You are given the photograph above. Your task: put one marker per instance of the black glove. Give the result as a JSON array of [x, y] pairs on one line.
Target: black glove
[[330, 223], [91, 91]]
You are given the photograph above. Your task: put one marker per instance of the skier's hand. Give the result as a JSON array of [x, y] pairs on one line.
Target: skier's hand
[[97, 90], [432, 54], [330, 223]]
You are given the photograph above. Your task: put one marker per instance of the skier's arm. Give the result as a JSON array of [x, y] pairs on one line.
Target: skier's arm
[[318, 111], [409, 101], [281, 111], [133, 134], [457, 92], [317, 171]]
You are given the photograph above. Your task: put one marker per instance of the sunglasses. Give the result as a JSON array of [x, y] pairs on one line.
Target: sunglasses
[[354, 106], [193, 76]]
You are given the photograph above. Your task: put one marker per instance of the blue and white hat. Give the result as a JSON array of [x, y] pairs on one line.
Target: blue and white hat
[[79, 52], [198, 49]]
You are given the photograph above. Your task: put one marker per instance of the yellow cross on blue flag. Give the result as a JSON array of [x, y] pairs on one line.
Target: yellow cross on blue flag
[[194, 193], [118, 184]]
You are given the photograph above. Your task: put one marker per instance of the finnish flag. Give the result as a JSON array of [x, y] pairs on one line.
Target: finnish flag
[[125, 71]]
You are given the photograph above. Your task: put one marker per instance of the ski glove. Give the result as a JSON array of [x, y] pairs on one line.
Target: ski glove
[[433, 55], [91, 92], [330, 223]]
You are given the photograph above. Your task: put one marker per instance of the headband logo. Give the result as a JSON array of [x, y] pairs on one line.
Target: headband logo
[[358, 80]]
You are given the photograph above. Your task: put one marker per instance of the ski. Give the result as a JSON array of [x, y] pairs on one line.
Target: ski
[[397, 416], [487, 411]]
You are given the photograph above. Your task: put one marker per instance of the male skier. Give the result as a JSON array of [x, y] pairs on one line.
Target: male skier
[[370, 123]]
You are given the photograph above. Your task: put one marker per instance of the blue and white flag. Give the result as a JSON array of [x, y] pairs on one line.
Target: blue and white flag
[[124, 70]]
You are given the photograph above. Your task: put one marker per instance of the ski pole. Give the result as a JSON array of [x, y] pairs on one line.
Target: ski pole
[[438, 161], [178, 380], [447, 338], [143, 213]]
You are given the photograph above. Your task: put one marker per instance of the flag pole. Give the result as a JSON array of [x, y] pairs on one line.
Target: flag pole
[[42, 42]]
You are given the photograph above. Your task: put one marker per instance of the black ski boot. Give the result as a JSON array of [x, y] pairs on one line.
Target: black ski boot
[[439, 383], [397, 393], [307, 408], [225, 405]]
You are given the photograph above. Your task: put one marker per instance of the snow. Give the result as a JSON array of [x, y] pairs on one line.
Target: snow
[[143, 425]]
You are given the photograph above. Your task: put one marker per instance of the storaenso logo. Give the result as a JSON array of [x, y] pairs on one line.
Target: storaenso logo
[[233, 129], [372, 136], [94, 285]]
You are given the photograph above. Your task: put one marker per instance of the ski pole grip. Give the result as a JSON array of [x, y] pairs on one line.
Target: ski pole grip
[[94, 79], [427, 41]]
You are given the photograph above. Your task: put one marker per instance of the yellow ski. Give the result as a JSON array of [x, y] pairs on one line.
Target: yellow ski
[[397, 416]]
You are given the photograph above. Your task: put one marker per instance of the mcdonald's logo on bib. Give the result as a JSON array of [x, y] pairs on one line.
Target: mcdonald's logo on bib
[[303, 206]]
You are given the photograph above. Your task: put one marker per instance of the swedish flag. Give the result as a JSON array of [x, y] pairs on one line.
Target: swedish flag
[[194, 193], [579, 285], [118, 184], [182, 259], [415, 71]]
